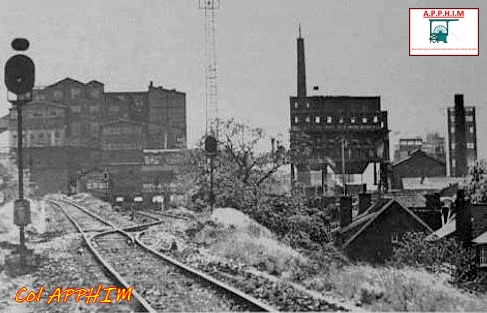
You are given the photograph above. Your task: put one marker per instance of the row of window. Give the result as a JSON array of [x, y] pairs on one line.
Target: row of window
[[121, 146], [96, 185], [340, 120], [470, 145], [43, 114], [75, 93], [153, 188], [125, 130], [470, 130], [468, 118], [39, 135]]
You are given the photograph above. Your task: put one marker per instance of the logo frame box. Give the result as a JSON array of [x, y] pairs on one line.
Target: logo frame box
[[444, 32]]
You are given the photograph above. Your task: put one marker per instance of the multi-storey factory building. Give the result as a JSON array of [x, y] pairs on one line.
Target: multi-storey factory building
[[71, 128], [462, 137], [345, 132]]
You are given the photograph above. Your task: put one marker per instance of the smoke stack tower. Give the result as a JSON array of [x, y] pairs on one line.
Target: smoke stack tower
[[301, 66], [460, 140]]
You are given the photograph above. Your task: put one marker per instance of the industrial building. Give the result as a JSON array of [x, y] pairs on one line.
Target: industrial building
[[72, 129], [462, 137], [433, 145], [345, 135]]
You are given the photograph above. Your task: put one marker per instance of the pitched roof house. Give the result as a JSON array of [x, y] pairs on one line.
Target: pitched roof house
[[371, 235]]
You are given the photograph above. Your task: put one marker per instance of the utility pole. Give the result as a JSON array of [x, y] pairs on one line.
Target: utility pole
[[19, 80]]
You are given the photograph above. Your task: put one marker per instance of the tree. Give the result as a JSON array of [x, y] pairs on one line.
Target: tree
[[241, 172], [477, 187]]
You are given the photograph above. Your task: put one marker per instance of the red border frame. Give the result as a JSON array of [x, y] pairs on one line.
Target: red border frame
[[444, 55]]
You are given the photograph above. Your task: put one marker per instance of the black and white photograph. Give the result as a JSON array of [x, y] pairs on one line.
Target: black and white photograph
[[243, 156]]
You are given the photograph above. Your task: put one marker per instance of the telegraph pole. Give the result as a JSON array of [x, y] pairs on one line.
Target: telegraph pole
[[19, 80]]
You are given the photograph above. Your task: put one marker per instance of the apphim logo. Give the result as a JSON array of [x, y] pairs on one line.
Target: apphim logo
[[443, 32]]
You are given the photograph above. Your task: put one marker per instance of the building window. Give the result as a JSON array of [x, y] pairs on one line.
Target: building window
[[394, 237], [483, 256], [453, 163], [317, 119], [36, 114], [114, 108], [57, 134], [453, 146], [470, 129], [340, 120], [307, 105], [452, 118], [57, 95], [470, 145], [40, 97], [376, 119], [469, 118], [382, 125], [94, 108], [75, 93], [296, 104], [364, 120], [329, 119], [53, 113], [95, 93], [452, 130], [307, 119]]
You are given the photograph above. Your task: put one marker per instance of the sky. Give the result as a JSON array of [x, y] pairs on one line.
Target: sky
[[355, 48]]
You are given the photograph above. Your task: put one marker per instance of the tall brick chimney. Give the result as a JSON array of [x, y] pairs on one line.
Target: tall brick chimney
[[364, 202], [345, 211], [460, 138], [301, 66], [463, 218]]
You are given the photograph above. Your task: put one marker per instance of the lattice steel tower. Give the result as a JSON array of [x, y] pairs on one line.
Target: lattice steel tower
[[211, 90]]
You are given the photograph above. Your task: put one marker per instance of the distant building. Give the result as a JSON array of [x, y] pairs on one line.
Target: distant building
[[417, 164], [406, 146], [71, 127], [462, 137], [336, 129], [434, 146]]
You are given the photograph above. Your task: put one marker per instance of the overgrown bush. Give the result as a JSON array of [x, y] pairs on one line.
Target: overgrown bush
[[445, 254]]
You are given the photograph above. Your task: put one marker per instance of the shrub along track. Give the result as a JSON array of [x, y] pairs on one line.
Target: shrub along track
[[281, 295], [159, 282]]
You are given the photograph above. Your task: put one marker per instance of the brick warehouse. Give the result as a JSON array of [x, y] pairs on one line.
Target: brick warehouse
[[71, 127], [346, 133]]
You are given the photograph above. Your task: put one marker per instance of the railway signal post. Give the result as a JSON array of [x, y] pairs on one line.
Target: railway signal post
[[19, 80], [211, 148]]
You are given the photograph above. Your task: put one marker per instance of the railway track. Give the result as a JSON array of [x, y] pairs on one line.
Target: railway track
[[161, 283]]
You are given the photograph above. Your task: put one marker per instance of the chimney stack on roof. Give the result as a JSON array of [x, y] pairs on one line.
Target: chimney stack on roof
[[364, 202], [301, 66], [463, 218], [345, 211]]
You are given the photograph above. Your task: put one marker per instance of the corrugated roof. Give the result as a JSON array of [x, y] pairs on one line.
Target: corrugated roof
[[430, 183]]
